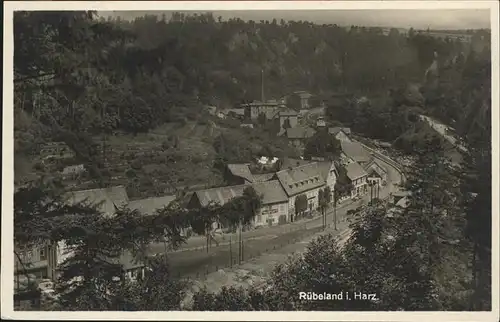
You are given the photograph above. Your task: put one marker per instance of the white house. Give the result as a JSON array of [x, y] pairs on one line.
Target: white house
[[274, 208], [358, 177], [376, 173], [305, 179]]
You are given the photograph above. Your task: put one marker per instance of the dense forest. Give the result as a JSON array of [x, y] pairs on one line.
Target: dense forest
[[77, 76]]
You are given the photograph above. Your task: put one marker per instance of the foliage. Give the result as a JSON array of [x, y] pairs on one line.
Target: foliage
[[343, 185], [322, 144], [300, 204], [158, 290]]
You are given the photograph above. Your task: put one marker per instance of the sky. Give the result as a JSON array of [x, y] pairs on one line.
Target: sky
[[398, 18]]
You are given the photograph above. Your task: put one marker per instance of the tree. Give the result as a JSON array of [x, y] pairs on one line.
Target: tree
[[157, 290], [324, 199], [286, 124], [241, 211], [203, 219], [300, 205], [322, 144], [262, 119]]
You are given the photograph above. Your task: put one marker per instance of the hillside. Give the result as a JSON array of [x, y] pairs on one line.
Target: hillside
[[170, 159], [142, 84]]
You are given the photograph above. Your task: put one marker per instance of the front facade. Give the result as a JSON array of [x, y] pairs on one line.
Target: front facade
[[291, 116], [274, 210], [297, 136], [42, 261], [359, 179], [302, 180], [320, 122], [39, 262], [376, 173], [255, 109], [56, 150], [304, 99], [329, 173]]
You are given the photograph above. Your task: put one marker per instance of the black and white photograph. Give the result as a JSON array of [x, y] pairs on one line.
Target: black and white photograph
[[237, 157]]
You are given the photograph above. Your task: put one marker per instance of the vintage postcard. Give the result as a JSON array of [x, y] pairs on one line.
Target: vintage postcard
[[268, 160]]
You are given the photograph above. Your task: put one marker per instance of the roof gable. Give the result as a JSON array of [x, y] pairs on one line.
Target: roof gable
[[220, 195], [149, 205], [108, 199], [241, 170], [355, 171], [355, 151], [271, 192], [300, 179]]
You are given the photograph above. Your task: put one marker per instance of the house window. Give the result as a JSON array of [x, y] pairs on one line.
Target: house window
[[43, 254], [259, 218]]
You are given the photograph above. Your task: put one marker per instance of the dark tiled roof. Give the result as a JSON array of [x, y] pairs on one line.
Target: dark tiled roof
[[301, 179], [291, 163], [355, 151], [378, 167], [108, 198], [335, 130], [271, 191], [324, 168], [220, 195], [355, 171], [263, 177], [241, 170], [149, 205]]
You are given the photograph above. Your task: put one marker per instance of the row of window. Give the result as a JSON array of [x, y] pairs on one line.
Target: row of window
[[27, 255]]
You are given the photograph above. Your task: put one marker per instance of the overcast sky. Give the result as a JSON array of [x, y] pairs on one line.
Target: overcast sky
[[418, 19]]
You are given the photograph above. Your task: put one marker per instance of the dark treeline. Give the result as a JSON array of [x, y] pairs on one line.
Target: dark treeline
[[96, 75]]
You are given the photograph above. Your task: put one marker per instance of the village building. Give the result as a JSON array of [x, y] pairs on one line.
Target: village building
[[329, 173], [398, 196], [269, 109], [212, 110], [376, 173], [306, 180], [354, 152], [288, 118], [148, 206], [247, 125], [73, 170], [274, 208], [238, 113], [297, 136], [340, 133], [320, 122], [304, 99], [287, 163], [56, 150], [358, 177], [43, 260]]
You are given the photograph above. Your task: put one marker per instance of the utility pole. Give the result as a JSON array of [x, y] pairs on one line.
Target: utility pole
[[371, 191]]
